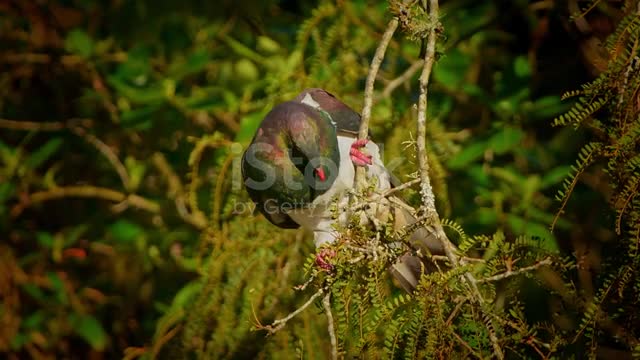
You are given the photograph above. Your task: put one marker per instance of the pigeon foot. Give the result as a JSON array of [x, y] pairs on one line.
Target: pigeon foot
[[357, 156], [323, 259]]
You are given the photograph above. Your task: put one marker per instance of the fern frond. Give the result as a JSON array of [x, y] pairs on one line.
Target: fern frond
[[457, 228], [580, 112], [586, 157]]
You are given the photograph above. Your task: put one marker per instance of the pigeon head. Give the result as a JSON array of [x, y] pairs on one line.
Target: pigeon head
[[298, 145]]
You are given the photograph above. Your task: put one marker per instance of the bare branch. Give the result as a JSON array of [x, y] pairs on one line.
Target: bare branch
[[406, 185], [326, 303], [510, 273], [385, 194], [368, 91], [31, 125], [462, 258], [105, 150], [176, 191], [404, 77], [277, 325], [86, 191], [426, 191]]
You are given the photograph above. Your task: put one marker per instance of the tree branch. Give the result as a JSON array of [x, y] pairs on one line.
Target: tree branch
[[326, 303], [31, 125], [105, 150], [280, 323], [510, 273], [368, 92], [176, 191], [404, 77], [426, 191], [86, 191]]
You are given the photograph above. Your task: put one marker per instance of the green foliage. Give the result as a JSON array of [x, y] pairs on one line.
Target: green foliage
[[608, 105]]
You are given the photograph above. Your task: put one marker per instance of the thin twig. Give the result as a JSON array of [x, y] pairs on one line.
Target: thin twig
[[86, 191], [466, 345], [462, 258], [401, 204], [368, 92], [454, 313], [404, 77], [31, 125], [280, 323], [326, 303], [175, 191], [164, 339], [371, 77], [218, 194], [306, 283], [103, 148], [406, 185], [108, 153], [510, 273], [385, 194]]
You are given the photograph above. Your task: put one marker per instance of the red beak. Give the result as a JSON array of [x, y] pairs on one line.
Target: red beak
[[320, 173]]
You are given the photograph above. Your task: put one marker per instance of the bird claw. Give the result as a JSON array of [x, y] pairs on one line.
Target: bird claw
[[357, 156]]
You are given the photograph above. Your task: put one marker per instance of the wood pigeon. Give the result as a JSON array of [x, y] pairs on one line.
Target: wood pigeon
[[301, 162]]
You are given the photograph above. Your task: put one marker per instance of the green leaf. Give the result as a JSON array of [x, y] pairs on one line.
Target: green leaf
[[185, 296], [34, 320], [521, 67], [268, 45], [506, 139], [486, 216], [452, 68], [18, 341], [43, 153], [136, 170], [470, 154], [58, 288], [242, 50], [34, 291], [147, 94], [479, 175], [546, 107], [140, 118], [44, 239], [294, 59], [246, 70], [78, 42], [125, 231], [72, 236], [196, 62], [90, 330], [137, 68], [6, 190], [6, 150]]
